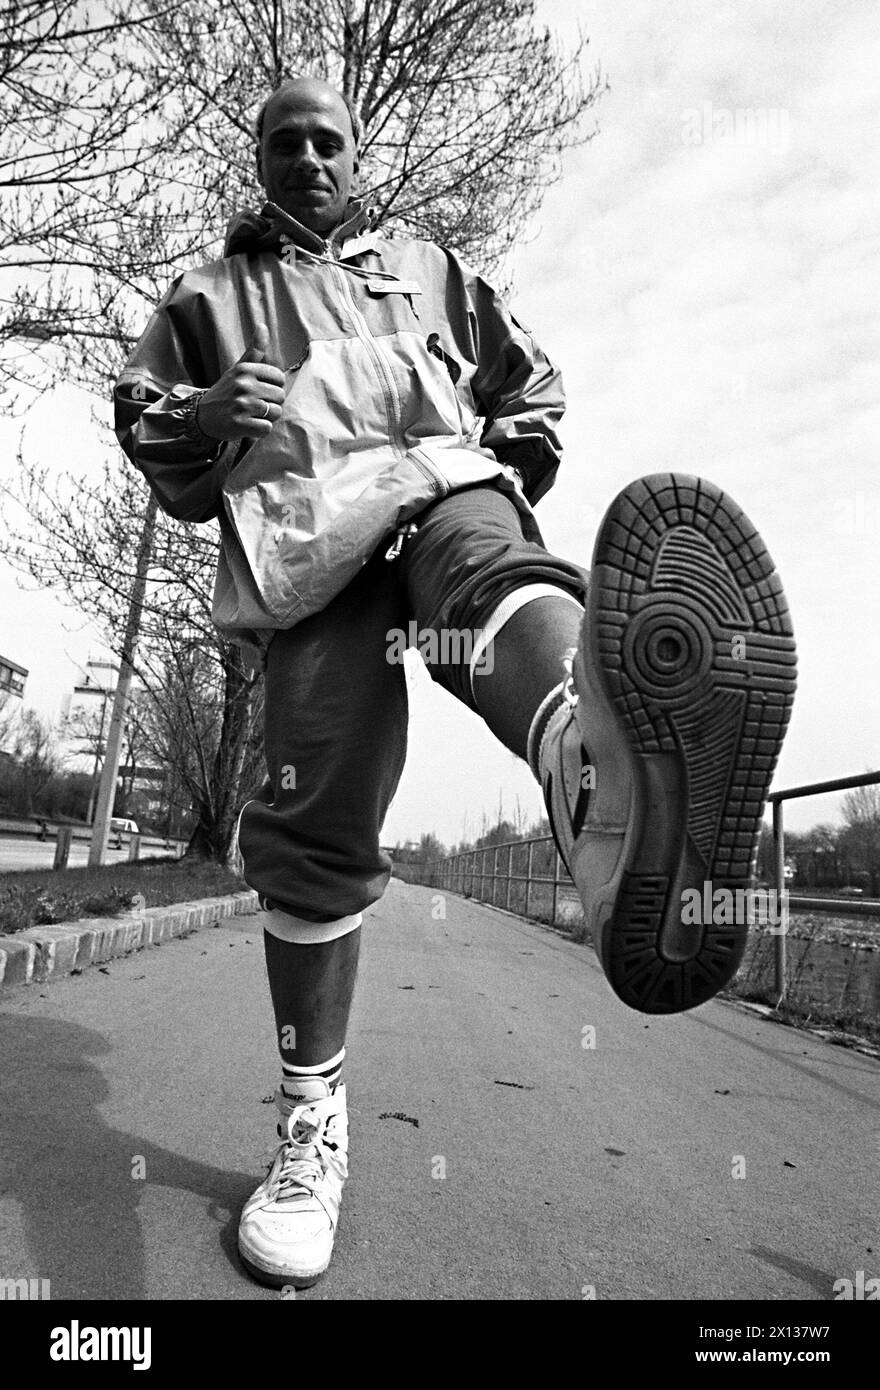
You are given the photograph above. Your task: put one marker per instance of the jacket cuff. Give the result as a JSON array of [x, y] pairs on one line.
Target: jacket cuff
[[533, 460], [188, 414]]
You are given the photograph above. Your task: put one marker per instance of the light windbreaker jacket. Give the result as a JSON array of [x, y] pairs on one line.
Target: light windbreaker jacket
[[406, 378]]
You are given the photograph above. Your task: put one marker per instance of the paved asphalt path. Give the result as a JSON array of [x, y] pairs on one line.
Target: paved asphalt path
[[566, 1167]]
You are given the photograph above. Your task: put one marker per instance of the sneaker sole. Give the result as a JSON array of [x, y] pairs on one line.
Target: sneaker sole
[[688, 637], [277, 1280]]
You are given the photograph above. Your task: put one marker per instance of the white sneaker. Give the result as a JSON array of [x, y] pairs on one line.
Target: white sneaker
[[288, 1226]]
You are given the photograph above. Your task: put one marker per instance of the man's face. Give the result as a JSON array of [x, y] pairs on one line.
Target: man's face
[[307, 158]]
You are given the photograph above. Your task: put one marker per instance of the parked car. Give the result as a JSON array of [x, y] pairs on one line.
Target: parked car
[[119, 826]]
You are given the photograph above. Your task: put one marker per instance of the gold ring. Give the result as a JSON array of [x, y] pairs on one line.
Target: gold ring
[[266, 404]]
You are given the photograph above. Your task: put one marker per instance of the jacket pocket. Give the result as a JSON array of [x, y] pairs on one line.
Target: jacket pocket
[[300, 541], [467, 420]]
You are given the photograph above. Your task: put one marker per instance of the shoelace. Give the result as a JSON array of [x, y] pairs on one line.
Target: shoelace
[[301, 1171], [569, 694]]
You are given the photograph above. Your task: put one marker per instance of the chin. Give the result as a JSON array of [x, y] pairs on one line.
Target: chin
[[318, 220]]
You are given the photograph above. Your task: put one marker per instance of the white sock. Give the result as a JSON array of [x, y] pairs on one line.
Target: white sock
[[300, 932], [510, 604], [292, 1076], [548, 707]]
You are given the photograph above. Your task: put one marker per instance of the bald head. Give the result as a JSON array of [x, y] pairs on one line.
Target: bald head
[[301, 83], [307, 151]]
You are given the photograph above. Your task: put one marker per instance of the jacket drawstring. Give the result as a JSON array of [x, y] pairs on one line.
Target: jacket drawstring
[[402, 534]]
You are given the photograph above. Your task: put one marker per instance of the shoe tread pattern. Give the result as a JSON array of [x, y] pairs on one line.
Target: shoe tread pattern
[[694, 646]]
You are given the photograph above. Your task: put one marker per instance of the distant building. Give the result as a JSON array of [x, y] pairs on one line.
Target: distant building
[[12, 678]]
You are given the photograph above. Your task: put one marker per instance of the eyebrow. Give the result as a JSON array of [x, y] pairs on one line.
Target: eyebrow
[[325, 132]]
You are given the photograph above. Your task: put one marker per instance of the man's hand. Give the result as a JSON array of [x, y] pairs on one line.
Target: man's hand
[[247, 400]]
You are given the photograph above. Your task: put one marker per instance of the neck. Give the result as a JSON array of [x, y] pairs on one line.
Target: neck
[[354, 213]]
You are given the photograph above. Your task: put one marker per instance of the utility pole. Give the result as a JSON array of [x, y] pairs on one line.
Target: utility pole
[[99, 745], [103, 691], [110, 772]]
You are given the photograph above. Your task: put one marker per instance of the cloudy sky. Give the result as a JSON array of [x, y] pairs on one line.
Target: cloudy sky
[[706, 275]]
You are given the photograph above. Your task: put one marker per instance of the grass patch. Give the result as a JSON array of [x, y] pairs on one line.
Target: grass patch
[[813, 1014], [37, 897]]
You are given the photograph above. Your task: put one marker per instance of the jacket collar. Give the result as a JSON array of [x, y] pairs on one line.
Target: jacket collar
[[250, 231]]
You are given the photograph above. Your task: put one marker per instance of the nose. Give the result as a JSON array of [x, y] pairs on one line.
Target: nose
[[306, 159]]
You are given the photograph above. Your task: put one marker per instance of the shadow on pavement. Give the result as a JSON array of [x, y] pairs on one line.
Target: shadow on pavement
[[839, 1058], [72, 1173]]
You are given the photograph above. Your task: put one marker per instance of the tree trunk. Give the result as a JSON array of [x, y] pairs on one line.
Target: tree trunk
[[214, 835]]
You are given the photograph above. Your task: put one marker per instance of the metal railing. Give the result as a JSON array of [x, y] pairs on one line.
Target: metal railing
[[491, 867], [470, 873], [775, 799]]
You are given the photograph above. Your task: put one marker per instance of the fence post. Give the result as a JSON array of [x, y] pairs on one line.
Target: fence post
[[62, 847], [134, 847], [529, 875], [509, 874], [556, 862], [780, 955], [495, 878]]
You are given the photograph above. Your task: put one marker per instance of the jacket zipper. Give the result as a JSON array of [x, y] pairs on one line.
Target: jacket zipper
[[389, 387], [424, 465], [389, 390]]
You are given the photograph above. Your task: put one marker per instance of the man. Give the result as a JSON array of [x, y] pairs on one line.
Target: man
[[371, 426]]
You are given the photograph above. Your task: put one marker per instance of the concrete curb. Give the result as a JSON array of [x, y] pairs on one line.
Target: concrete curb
[[41, 954]]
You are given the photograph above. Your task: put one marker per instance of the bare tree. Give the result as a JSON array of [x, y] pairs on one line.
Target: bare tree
[[208, 732], [81, 130], [467, 107], [60, 77], [198, 708], [861, 836], [129, 143], [33, 759]]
